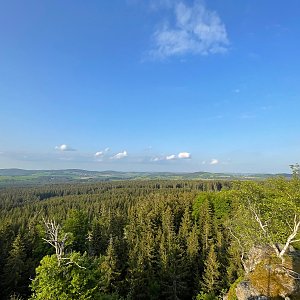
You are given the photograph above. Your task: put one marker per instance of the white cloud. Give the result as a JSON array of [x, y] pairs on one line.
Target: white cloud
[[181, 155], [184, 155], [64, 147], [214, 161], [120, 155], [156, 159], [99, 153], [171, 157], [196, 30], [102, 154]]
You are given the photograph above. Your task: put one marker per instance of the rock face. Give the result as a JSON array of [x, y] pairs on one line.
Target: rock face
[[245, 291], [256, 255], [268, 278]]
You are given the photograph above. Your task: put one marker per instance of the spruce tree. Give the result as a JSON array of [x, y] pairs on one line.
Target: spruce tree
[[15, 268], [211, 275], [109, 269]]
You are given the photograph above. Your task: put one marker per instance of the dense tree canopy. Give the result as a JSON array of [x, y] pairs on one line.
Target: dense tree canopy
[[139, 239]]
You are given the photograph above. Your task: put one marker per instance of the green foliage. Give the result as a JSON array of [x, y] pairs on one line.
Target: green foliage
[[231, 293], [211, 276], [77, 224], [138, 240], [219, 203], [275, 202], [206, 296], [142, 239], [15, 267], [109, 269], [19, 266], [75, 278]]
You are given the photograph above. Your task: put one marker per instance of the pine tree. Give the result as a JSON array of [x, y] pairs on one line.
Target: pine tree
[[109, 269], [173, 268], [185, 227], [97, 239], [211, 276], [7, 236], [15, 267], [203, 211], [77, 224]]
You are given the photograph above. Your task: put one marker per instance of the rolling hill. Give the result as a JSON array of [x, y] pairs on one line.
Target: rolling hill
[[9, 177]]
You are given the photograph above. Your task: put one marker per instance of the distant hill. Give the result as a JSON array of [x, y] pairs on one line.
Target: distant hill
[[9, 177]]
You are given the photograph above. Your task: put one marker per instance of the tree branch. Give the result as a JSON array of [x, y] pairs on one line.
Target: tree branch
[[291, 237]]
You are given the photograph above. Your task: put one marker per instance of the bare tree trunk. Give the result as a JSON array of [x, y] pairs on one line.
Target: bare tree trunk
[[264, 230], [290, 238], [53, 238]]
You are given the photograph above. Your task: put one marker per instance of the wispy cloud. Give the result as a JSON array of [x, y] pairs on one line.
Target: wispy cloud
[[156, 159], [196, 30], [102, 152], [214, 161], [120, 155], [64, 147], [171, 157]]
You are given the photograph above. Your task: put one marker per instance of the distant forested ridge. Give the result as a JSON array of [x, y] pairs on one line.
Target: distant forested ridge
[[150, 239], [19, 177]]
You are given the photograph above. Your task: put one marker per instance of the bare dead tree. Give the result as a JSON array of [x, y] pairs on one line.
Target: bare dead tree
[[290, 238], [54, 238], [263, 227], [58, 241]]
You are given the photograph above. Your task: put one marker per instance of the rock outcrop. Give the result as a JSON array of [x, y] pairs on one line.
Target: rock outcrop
[[245, 291], [268, 278]]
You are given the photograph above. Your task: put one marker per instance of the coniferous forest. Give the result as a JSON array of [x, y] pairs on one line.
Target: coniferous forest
[[149, 150], [139, 239]]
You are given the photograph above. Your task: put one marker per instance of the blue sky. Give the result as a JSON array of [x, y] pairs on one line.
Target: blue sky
[[152, 85]]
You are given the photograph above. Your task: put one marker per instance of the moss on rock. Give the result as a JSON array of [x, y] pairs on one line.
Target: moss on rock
[[269, 278]]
